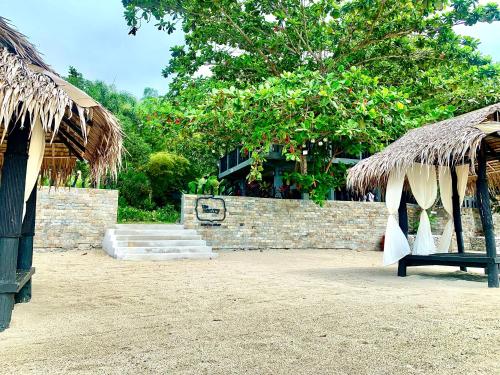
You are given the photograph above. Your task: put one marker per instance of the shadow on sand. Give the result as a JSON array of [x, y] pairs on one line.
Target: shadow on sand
[[389, 274]]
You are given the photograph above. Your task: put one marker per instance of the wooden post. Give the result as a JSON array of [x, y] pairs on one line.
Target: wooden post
[[11, 211], [403, 214], [403, 224], [483, 201], [25, 253], [457, 217]]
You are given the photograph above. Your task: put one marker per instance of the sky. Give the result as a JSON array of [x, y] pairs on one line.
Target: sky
[[92, 36]]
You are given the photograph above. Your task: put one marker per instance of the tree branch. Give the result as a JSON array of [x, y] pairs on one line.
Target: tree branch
[[271, 65]]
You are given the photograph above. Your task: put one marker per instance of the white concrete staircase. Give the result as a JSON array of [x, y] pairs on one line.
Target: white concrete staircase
[[155, 242]]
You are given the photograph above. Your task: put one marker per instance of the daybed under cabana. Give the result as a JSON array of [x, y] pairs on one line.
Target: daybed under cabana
[[460, 154], [46, 125]]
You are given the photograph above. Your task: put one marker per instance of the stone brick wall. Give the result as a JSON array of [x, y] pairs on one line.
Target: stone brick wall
[[70, 219], [254, 223], [259, 223]]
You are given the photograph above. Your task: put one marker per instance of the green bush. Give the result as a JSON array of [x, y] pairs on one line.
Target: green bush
[[138, 150], [169, 175], [207, 185], [135, 189], [166, 214]]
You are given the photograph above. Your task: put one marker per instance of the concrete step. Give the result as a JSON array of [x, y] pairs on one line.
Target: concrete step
[[162, 249], [156, 237], [158, 243], [156, 257], [155, 242], [153, 232], [149, 226]]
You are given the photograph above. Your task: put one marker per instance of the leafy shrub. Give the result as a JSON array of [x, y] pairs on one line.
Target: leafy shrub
[[207, 185], [138, 150], [169, 175], [166, 214], [135, 189]]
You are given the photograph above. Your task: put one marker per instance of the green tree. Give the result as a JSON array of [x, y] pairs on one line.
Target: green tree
[[133, 184], [135, 189], [120, 103], [169, 175], [357, 73], [245, 41], [314, 118], [150, 92]]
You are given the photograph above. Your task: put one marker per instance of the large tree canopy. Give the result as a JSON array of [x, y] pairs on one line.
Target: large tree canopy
[[250, 39], [358, 73]]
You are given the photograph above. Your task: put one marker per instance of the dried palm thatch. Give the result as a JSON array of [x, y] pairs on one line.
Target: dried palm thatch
[[450, 142], [76, 126]]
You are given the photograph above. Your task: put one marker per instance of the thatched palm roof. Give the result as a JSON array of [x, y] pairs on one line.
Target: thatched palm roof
[[76, 126], [452, 141]]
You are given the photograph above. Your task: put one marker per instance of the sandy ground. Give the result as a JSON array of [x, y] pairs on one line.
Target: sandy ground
[[274, 312]]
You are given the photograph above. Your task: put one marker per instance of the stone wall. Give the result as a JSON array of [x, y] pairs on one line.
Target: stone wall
[[260, 223], [70, 219], [254, 223]]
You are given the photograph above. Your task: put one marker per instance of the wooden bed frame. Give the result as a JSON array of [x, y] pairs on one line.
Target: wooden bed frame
[[489, 260]]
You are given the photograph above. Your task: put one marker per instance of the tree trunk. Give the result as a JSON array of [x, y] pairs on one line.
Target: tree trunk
[[303, 171], [303, 164]]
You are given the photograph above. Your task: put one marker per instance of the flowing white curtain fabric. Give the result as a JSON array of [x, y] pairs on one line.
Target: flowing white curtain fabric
[[423, 183], [35, 158], [396, 244], [446, 191]]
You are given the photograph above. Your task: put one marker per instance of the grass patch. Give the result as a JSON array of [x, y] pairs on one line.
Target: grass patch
[[167, 214]]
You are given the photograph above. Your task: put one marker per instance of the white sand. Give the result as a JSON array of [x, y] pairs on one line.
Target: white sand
[[275, 312]]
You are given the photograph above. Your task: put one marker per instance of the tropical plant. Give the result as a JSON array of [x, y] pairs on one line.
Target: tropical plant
[[166, 214], [162, 125], [404, 42], [350, 75], [169, 175], [207, 185], [314, 117], [135, 189]]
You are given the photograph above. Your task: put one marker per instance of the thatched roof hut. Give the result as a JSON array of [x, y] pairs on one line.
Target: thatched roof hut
[[453, 152], [449, 142], [46, 124], [75, 125]]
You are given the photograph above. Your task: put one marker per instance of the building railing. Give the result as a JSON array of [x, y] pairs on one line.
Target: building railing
[[232, 159], [237, 156]]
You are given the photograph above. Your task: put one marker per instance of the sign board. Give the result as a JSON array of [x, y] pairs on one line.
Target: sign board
[[211, 211]]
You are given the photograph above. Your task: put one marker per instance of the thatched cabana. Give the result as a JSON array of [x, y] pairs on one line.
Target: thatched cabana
[[464, 152], [46, 124]]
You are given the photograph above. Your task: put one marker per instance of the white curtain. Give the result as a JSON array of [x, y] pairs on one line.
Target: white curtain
[[35, 158], [445, 189], [396, 244], [423, 183]]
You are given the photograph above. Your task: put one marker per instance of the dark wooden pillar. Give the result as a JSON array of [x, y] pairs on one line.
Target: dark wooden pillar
[[403, 224], [11, 211], [483, 201], [403, 214], [25, 253], [457, 217]]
